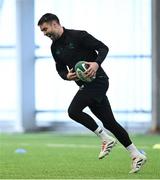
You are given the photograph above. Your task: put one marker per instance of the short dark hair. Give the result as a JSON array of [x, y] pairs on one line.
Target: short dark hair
[[48, 17]]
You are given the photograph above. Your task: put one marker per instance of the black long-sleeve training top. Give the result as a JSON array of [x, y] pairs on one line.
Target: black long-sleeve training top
[[74, 46]]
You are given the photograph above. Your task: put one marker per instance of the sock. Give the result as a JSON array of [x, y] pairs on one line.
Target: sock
[[133, 150], [102, 134]]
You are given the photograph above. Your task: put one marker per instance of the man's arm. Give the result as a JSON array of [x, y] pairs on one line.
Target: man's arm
[[62, 70], [88, 41], [66, 73]]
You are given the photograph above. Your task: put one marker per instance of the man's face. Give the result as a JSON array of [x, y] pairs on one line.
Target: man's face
[[50, 30]]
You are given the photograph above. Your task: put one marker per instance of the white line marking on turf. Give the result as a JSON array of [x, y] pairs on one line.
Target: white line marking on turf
[[73, 145], [84, 146]]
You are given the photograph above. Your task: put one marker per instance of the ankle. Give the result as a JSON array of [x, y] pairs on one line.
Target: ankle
[[103, 135]]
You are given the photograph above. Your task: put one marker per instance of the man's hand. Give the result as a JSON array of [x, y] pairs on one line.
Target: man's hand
[[91, 71], [72, 75]]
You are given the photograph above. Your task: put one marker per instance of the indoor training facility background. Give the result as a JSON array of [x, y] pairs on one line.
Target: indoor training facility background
[[32, 95]]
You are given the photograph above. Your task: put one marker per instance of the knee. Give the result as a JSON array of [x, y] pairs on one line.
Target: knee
[[72, 113]]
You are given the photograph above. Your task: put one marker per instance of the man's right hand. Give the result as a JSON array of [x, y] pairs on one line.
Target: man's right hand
[[72, 75]]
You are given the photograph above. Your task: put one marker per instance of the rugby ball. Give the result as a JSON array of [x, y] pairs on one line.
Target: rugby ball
[[80, 68]]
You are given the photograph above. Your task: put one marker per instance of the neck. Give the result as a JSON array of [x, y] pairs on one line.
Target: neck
[[61, 30]]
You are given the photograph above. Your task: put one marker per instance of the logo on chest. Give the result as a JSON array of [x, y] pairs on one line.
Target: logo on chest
[[71, 45], [65, 49]]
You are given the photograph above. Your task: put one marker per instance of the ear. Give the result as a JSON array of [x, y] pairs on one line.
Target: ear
[[54, 23]]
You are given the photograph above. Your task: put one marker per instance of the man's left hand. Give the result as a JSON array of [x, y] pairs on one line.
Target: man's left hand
[[91, 71]]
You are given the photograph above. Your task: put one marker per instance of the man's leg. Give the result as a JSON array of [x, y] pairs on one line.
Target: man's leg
[[75, 111], [81, 100], [102, 109]]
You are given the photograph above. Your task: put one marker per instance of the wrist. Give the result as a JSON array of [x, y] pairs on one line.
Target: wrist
[[98, 63]]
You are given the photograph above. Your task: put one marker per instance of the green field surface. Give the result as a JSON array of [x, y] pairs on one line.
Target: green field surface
[[55, 156]]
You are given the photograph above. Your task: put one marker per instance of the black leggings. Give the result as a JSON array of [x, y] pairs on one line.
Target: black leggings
[[100, 107]]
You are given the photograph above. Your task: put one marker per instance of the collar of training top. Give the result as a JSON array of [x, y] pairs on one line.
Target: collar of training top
[[62, 36]]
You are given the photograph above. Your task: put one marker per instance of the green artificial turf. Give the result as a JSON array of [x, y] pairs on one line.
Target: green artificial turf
[[53, 156]]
